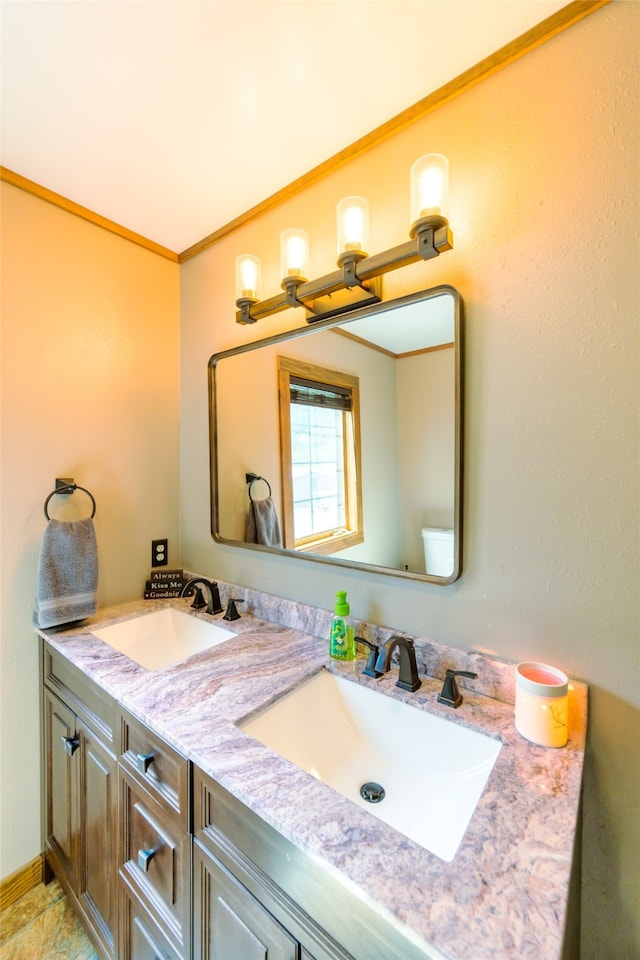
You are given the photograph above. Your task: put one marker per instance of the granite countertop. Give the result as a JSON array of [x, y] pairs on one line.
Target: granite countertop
[[505, 893]]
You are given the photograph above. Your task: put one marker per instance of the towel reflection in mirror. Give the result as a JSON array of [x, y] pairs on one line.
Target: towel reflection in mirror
[[263, 525]]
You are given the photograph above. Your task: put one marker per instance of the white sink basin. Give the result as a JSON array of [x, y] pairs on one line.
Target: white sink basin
[[156, 640], [432, 771]]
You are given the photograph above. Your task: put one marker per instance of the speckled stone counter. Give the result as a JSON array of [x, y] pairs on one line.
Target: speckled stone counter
[[504, 895]]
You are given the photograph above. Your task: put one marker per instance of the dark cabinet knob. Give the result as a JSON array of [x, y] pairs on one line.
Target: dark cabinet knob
[[144, 761], [71, 744], [144, 859]]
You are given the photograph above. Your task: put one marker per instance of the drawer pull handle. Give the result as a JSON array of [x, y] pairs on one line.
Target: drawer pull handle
[[144, 761], [144, 859], [71, 744]]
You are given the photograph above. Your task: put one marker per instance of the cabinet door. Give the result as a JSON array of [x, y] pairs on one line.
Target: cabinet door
[[97, 879], [229, 922], [60, 761]]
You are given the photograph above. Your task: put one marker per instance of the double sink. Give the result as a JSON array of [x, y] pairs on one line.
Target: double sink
[[419, 773]]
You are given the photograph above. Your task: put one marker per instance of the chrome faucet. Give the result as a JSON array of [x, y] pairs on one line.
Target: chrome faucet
[[408, 673], [196, 585]]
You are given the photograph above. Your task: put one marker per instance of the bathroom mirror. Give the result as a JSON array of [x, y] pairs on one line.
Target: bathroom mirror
[[353, 428]]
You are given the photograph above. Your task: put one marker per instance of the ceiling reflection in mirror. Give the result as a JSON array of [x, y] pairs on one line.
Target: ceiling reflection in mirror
[[396, 505]]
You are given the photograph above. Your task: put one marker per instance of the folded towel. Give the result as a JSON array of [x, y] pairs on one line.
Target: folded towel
[[263, 525], [67, 573]]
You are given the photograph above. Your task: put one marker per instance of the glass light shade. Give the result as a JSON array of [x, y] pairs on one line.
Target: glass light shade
[[294, 253], [429, 187], [353, 224], [248, 277]]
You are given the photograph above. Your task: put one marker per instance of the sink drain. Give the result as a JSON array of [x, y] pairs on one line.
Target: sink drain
[[372, 792]]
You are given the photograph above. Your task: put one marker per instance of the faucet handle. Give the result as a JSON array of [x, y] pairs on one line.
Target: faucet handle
[[216, 606], [450, 695], [232, 610], [198, 599], [370, 669]]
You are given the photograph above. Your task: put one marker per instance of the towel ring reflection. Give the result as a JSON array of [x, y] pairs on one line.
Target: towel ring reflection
[[69, 488], [251, 479]]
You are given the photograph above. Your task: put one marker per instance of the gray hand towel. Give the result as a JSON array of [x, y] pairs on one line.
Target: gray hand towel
[[263, 525], [67, 573]]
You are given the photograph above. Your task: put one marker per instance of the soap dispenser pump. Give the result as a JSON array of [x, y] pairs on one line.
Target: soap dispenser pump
[[342, 643]]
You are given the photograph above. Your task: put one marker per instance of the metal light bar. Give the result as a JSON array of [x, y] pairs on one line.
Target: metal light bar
[[357, 283]]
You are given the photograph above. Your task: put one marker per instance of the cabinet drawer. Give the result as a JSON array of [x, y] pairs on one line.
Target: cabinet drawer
[[88, 701], [157, 766], [155, 860], [140, 936]]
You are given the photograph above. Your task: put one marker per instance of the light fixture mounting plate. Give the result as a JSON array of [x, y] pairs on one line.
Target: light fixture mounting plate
[[342, 301]]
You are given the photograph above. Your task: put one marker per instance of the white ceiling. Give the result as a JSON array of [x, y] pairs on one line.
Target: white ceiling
[[410, 327], [173, 117]]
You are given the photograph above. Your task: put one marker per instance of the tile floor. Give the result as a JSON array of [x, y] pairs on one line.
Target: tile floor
[[42, 926]]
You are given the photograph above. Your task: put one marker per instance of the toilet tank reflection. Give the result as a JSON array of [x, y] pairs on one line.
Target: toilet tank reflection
[[438, 551]]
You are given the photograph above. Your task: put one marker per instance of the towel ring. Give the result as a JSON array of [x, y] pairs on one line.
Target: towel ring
[[251, 479], [69, 488]]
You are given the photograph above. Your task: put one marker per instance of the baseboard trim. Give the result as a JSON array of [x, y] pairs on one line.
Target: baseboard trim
[[17, 884]]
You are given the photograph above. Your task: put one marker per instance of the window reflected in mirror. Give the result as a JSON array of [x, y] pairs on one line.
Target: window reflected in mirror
[[320, 457]]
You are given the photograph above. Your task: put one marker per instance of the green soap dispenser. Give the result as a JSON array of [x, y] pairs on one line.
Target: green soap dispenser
[[341, 643]]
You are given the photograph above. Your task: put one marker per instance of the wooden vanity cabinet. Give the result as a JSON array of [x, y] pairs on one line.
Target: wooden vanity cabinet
[[81, 737]]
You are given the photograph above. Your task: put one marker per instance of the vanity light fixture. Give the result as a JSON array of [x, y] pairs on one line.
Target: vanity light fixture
[[358, 280], [248, 277], [294, 262], [353, 227]]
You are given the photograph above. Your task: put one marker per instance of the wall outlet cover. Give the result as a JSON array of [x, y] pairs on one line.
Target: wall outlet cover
[[159, 553]]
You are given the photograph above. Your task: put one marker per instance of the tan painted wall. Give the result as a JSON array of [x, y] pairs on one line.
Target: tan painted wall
[[426, 447], [90, 390], [544, 208]]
